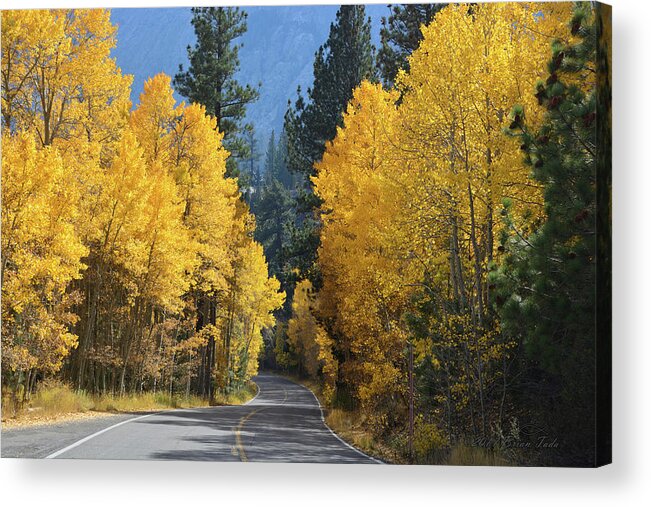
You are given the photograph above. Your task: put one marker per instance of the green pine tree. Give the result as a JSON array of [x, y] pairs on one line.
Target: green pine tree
[[249, 169], [546, 282], [210, 78], [275, 211], [340, 65], [276, 162], [270, 162], [400, 35]]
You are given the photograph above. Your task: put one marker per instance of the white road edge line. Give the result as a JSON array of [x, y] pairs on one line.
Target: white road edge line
[[89, 437], [337, 436], [256, 395]]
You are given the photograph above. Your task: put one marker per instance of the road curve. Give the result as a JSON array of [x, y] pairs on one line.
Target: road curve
[[283, 423]]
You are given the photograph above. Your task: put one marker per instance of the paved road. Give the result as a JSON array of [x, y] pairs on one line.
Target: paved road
[[282, 424]]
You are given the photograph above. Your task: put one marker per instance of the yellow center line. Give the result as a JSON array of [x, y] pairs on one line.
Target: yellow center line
[[239, 446], [238, 435]]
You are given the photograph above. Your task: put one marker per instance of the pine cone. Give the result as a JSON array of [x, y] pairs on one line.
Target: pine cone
[[555, 101], [540, 96], [558, 59], [589, 118], [516, 122]]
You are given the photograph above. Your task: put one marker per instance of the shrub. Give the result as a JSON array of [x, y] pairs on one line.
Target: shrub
[[430, 444]]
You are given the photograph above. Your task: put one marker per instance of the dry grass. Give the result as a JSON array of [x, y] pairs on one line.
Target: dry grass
[[58, 401], [238, 397], [49, 403], [466, 455], [144, 402], [349, 425]]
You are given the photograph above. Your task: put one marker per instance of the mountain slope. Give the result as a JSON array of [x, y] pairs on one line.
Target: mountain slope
[[278, 50]]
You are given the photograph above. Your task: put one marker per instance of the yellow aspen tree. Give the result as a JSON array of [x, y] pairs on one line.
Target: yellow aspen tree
[[41, 255], [474, 62], [61, 87], [229, 283], [58, 77], [161, 256], [367, 271], [186, 143], [154, 118], [246, 307], [198, 164], [149, 211], [257, 297], [302, 330], [118, 203], [139, 261], [309, 341]]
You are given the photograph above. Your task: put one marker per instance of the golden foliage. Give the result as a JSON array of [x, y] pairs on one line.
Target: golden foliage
[[367, 270], [41, 255], [411, 186], [58, 78], [114, 223]]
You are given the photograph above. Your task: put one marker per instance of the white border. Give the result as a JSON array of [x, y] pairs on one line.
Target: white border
[[626, 482]]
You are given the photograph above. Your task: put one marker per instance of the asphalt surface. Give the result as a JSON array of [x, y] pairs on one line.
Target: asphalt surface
[[42, 440], [283, 423]]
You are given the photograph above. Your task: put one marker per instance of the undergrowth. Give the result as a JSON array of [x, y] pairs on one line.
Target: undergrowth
[[56, 399], [351, 426]]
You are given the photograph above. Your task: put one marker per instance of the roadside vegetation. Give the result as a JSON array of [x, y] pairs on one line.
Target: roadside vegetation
[[57, 401], [445, 302], [129, 267], [353, 427]]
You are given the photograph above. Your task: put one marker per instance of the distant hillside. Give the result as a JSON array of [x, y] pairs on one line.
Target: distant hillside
[[278, 50]]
